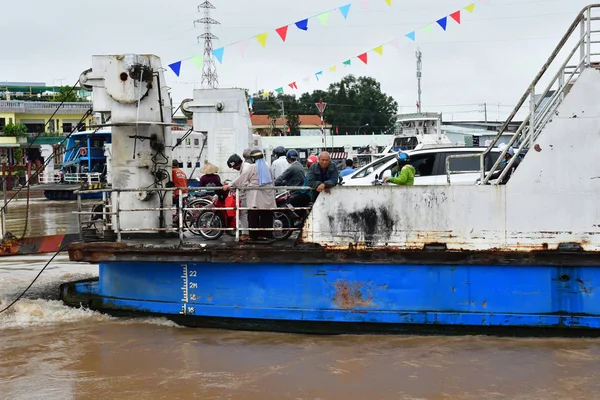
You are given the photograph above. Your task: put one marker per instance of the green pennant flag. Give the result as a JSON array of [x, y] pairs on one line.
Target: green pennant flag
[[198, 61], [324, 18], [347, 62], [279, 90]]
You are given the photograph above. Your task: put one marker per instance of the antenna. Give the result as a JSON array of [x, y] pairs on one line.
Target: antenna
[[419, 68], [210, 80]]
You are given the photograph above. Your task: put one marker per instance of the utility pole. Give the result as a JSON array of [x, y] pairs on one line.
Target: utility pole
[[419, 68], [210, 80], [485, 111], [284, 122]]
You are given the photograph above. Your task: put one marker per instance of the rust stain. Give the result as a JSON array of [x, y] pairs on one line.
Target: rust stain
[[484, 304], [583, 288], [350, 295]]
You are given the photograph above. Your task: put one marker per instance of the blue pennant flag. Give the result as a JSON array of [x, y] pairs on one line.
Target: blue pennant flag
[[442, 22], [302, 24], [411, 35], [176, 67], [218, 53], [344, 10], [318, 73]]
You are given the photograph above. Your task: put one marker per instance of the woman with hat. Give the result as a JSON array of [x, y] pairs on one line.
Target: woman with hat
[[258, 174], [210, 177]]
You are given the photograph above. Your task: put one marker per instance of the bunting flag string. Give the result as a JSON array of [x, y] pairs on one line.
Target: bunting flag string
[[282, 32], [364, 57]]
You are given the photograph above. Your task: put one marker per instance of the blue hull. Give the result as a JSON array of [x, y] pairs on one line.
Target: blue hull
[[337, 298]]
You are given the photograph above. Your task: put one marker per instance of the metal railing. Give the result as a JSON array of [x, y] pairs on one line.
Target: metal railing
[[111, 210], [542, 107]]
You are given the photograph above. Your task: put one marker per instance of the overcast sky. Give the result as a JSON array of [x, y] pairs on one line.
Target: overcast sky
[[491, 57]]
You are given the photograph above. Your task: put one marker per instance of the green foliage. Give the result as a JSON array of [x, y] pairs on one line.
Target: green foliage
[[65, 94], [16, 130], [351, 103]]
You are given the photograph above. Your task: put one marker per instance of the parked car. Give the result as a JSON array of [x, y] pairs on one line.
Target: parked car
[[430, 166]]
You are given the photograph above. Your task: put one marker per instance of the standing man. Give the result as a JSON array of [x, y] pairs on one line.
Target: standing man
[[323, 175], [280, 164], [294, 175]]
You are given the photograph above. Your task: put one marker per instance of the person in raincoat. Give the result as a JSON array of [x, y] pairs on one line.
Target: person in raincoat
[[257, 175], [403, 173]]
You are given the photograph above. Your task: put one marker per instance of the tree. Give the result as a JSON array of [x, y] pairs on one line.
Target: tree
[[16, 130], [351, 103], [67, 95]]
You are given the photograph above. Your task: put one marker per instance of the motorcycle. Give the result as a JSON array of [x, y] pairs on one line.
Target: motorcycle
[[211, 221]]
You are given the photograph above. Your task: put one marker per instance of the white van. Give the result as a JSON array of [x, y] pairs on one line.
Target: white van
[[430, 166]]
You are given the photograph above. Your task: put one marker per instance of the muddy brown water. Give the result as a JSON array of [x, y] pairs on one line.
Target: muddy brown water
[[49, 351]]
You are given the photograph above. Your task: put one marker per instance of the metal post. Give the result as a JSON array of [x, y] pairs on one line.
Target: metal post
[[588, 41], [532, 116], [117, 216], [80, 225], [180, 200], [582, 46], [103, 212], [237, 215]]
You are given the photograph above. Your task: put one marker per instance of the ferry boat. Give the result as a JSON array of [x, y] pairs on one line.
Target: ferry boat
[[519, 257], [84, 166]]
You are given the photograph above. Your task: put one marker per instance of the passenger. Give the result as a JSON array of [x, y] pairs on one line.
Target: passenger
[[349, 168], [235, 162], [210, 177], [179, 180], [279, 163], [257, 175], [294, 175], [247, 160], [404, 173], [509, 154], [303, 198], [323, 175]]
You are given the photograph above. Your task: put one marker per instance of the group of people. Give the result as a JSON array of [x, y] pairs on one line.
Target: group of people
[[286, 170]]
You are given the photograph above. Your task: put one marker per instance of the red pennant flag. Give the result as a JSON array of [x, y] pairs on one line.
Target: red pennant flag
[[456, 16], [293, 85], [363, 57], [282, 32]]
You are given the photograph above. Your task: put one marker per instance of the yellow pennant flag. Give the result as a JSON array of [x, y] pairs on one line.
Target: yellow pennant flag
[[262, 39], [470, 7], [198, 61], [378, 50], [266, 94], [427, 29], [332, 69], [389, 2]]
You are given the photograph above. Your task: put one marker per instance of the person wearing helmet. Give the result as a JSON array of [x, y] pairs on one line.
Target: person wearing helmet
[[404, 173], [294, 175], [323, 175], [280, 163], [257, 175], [507, 157]]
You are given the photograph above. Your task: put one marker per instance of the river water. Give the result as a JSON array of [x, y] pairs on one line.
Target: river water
[[49, 351]]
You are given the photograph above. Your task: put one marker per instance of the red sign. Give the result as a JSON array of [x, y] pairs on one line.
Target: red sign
[[321, 106]]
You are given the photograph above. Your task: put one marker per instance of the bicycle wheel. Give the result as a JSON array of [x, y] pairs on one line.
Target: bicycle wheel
[[206, 221]]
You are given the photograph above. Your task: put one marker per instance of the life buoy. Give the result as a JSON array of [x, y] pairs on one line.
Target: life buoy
[[83, 151]]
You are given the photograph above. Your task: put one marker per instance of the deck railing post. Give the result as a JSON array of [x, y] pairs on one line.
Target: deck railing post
[[237, 215]]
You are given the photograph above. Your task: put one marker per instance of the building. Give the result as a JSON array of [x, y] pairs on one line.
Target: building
[[35, 91], [38, 117], [310, 125]]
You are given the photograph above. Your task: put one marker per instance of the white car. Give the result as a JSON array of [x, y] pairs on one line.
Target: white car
[[430, 166]]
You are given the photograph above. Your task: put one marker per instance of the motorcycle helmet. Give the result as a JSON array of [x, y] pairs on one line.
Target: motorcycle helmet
[[292, 155], [279, 151], [402, 158], [311, 160], [234, 160], [256, 154]]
